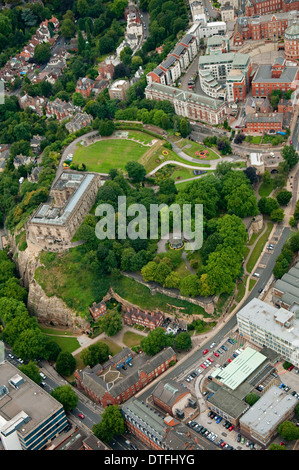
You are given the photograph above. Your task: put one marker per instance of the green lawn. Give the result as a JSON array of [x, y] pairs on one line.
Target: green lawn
[[66, 344], [104, 155], [131, 339], [190, 148], [266, 189], [258, 248]]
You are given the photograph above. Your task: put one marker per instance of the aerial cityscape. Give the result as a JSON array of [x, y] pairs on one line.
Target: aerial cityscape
[[149, 227]]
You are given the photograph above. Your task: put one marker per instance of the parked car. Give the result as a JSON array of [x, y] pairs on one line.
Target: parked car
[[223, 347], [81, 415], [231, 427], [229, 360], [205, 351], [210, 359], [203, 366], [239, 438], [216, 354]]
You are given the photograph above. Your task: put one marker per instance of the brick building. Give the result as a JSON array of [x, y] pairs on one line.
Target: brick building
[[277, 76], [156, 432], [98, 310], [261, 123], [136, 316], [85, 86], [261, 7], [291, 41], [269, 26], [113, 383], [171, 396]]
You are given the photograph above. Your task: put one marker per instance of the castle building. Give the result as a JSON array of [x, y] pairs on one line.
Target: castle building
[[54, 224]]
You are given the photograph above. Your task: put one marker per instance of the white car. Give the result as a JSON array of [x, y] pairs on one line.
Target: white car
[[20, 360], [43, 376], [212, 345]]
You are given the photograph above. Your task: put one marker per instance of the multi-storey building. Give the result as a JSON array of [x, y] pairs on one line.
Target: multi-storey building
[[211, 29], [98, 310], [220, 64], [259, 424], [187, 104], [261, 123], [265, 325], [278, 76], [236, 86], [136, 316], [286, 290], [29, 416], [270, 26], [122, 376], [261, 7], [53, 224], [291, 41], [156, 432], [118, 89]]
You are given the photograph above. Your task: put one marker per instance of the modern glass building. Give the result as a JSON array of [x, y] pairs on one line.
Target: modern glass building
[[29, 416]]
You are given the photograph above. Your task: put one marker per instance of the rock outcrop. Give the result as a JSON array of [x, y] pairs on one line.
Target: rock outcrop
[[51, 311]]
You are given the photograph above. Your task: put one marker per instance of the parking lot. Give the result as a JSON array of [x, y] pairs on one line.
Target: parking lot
[[211, 427]]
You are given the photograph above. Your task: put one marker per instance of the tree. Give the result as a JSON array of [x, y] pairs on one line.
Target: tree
[[251, 398], [31, 344], [184, 127], [17, 325], [288, 431], [42, 53], [106, 127], [189, 286], [284, 197], [267, 177], [250, 172], [65, 363], [68, 28], [155, 341], [52, 351], [32, 371], [66, 396], [136, 171], [277, 215], [290, 155], [111, 323], [95, 354], [267, 205], [182, 341], [112, 424], [294, 242], [77, 99]]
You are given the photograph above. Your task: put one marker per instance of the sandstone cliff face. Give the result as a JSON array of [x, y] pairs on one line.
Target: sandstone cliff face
[[50, 311]]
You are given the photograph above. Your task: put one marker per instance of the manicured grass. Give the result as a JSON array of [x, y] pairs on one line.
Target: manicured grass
[[254, 139], [131, 339], [258, 248], [114, 348], [266, 189], [252, 283], [52, 331], [106, 154], [66, 344], [190, 148]]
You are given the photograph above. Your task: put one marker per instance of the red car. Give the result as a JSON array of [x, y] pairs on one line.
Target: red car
[[81, 416], [216, 354], [206, 351], [223, 444], [203, 366], [229, 360], [231, 428], [291, 368], [210, 359]]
